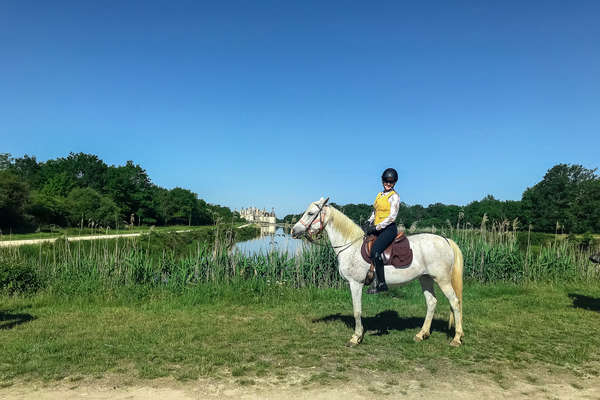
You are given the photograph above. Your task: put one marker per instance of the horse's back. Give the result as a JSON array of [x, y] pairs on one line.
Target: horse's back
[[431, 250]]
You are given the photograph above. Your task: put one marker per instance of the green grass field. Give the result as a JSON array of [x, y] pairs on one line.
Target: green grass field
[[257, 332], [184, 307]]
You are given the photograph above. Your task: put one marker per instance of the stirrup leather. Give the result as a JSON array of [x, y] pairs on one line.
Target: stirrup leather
[[370, 275]]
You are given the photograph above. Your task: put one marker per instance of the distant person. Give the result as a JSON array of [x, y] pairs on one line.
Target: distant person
[[382, 223]]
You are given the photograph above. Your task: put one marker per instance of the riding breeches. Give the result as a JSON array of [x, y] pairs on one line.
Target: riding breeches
[[384, 239]]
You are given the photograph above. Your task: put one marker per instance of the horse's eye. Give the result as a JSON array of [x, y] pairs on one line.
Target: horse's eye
[[309, 214]]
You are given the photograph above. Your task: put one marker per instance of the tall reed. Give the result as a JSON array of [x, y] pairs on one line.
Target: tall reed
[[75, 267], [496, 254], [491, 254]]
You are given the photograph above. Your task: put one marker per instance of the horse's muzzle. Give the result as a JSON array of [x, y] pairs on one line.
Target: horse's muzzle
[[297, 233]]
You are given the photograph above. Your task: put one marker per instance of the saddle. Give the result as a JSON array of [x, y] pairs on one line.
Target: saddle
[[398, 253]]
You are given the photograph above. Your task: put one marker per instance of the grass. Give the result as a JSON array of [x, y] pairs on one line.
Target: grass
[[277, 333], [183, 306]]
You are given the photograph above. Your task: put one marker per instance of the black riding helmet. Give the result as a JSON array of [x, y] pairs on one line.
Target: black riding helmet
[[389, 175]]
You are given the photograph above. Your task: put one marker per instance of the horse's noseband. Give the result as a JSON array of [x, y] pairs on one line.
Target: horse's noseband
[[319, 214]]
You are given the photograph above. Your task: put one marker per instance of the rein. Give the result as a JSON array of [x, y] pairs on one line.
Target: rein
[[307, 226], [349, 244], [310, 238]]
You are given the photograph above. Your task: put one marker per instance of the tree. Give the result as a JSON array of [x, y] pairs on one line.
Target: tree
[[47, 191], [160, 204], [47, 208], [59, 185], [358, 213], [130, 187], [566, 196], [86, 205], [512, 209], [209, 213], [440, 214], [14, 194], [28, 169], [86, 170], [183, 207], [5, 161], [586, 207]]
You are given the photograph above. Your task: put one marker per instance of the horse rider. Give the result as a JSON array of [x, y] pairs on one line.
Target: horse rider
[[382, 223]]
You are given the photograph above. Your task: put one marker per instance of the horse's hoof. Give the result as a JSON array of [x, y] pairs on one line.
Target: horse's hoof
[[354, 341], [419, 337], [455, 343]]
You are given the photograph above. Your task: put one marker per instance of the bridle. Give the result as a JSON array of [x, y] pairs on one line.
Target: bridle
[[309, 236], [307, 226]]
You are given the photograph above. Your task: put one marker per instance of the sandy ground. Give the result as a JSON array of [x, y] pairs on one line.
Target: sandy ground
[[470, 388], [12, 243]]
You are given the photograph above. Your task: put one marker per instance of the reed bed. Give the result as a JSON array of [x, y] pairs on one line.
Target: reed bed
[[503, 253], [75, 267], [491, 255]]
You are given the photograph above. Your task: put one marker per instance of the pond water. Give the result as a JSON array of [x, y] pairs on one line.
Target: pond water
[[271, 238]]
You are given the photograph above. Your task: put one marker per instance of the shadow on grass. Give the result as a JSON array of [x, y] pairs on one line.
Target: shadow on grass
[[9, 321], [585, 302], [387, 321]]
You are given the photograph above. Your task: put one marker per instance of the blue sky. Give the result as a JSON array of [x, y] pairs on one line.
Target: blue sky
[[277, 103]]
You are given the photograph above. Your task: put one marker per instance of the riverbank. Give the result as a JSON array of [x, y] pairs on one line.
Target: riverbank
[[74, 234]]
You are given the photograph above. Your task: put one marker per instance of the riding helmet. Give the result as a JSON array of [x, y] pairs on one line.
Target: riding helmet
[[390, 174]]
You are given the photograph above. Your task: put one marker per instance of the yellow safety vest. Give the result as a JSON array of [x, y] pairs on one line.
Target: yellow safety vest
[[382, 206]]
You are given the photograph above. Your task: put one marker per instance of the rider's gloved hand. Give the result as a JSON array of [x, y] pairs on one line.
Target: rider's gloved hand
[[365, 226], [371, 230]]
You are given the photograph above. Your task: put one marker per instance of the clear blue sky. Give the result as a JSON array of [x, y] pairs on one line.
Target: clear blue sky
[[276, 103]]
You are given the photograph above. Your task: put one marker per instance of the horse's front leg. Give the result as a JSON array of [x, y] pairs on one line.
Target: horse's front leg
[[356, 290]]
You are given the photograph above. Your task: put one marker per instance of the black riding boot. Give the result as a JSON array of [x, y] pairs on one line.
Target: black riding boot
[[380, 285]]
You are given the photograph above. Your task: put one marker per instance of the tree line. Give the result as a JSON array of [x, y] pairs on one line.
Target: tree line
[[566, 200], [82, 190]]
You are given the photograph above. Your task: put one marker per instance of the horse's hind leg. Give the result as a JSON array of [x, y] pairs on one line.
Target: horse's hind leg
[[429, 293], [356, 290], [448, 290]]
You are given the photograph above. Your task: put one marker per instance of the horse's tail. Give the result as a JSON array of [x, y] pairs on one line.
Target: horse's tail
[[457, 278]]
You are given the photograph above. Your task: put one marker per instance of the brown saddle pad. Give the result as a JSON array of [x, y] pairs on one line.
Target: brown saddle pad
[[398, 253]]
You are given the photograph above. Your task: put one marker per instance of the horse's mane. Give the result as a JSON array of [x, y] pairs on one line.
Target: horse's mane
[[344, 225]]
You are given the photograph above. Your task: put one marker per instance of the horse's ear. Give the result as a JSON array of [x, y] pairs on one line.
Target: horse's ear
[[326, 200]]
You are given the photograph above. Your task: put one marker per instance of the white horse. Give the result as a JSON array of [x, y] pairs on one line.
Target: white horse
[[434, 259]]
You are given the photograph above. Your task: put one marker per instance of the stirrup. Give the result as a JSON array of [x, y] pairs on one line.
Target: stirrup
[[380, 287], [370, 276]]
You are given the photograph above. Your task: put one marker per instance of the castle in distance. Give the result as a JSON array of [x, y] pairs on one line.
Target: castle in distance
[[253, 214]]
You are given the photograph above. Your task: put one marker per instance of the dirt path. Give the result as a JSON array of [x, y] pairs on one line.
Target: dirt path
[[11, 243], [468, 388]]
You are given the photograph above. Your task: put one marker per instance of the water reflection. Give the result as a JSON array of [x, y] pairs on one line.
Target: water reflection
[[268, 230], [272, 238]]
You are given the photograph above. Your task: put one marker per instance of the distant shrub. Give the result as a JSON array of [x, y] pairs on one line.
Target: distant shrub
[[586, 241], [17, 277], [534, 239]]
